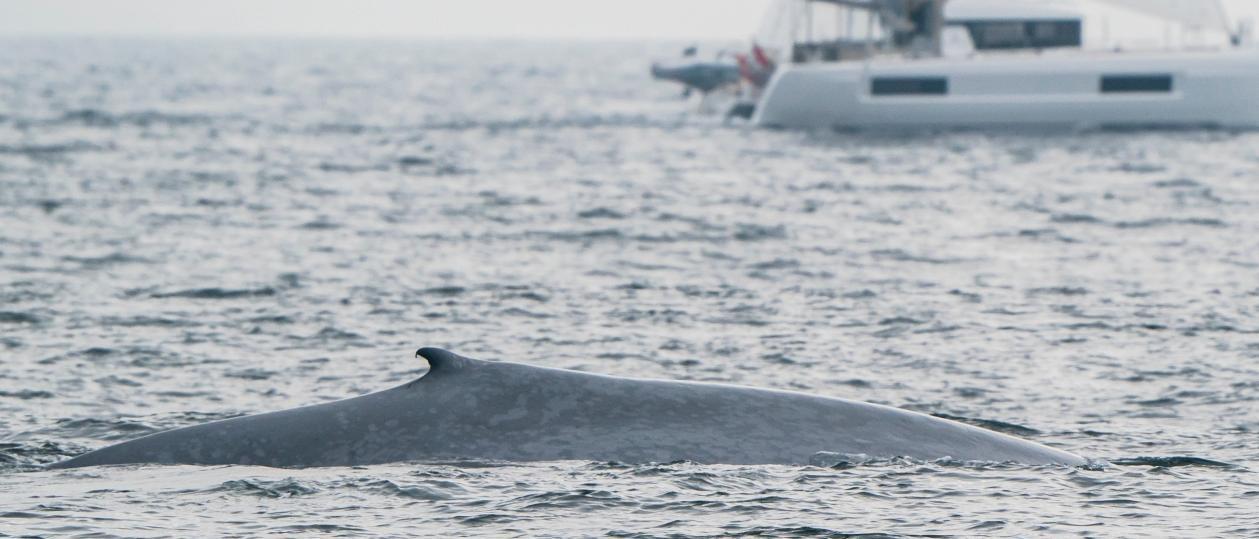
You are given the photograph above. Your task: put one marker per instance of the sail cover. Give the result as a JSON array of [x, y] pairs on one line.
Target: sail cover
[[1206, 14]]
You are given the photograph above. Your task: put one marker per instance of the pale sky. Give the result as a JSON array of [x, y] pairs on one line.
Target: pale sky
[[559, 19], [592, 19]]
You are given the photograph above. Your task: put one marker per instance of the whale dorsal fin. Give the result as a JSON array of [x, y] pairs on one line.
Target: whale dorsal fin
[[442, 360]]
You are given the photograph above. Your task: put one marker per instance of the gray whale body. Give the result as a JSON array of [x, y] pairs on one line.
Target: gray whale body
[[469, 408]]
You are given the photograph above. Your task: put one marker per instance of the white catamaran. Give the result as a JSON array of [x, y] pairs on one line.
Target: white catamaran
[[915, 63]]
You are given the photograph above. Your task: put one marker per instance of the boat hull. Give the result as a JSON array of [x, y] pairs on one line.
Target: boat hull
[[1209, 88]]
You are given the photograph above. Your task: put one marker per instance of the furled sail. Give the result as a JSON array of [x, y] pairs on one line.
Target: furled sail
[[1206, 14]]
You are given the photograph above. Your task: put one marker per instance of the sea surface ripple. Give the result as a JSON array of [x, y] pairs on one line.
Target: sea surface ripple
[[198, 229]]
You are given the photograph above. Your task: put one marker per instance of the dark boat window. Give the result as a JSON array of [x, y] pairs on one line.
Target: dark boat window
[[909, 86], [1114, 84], [1024, 34]]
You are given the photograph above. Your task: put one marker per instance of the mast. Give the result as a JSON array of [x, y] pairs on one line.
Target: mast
[[935, 27]]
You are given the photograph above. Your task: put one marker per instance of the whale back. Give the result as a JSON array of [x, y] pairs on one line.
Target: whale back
[[469, 408], [538, 413]]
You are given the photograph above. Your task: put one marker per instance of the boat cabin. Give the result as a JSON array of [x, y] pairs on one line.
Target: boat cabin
[[841, 30], [837, 30], [1003, 25]]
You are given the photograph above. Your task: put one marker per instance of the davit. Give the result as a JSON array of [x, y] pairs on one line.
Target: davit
[[468, 408]]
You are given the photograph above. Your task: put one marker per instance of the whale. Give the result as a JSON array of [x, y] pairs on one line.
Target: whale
[[464, 408]]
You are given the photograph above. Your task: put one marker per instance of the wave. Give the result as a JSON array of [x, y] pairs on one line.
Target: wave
[[1153, 222], [17, 317], [1171, 462], [99, 118], [51, 150], [217, 293]]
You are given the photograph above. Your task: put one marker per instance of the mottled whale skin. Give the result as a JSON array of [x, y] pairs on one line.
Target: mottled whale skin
[[468, 408]]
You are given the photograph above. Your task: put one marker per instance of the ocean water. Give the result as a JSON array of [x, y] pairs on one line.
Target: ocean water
[[199, 229]]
